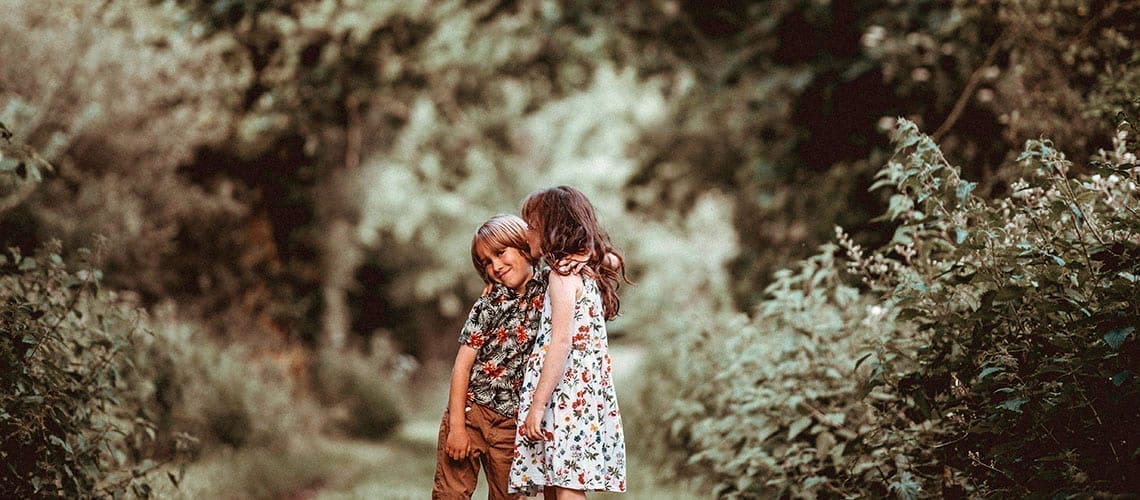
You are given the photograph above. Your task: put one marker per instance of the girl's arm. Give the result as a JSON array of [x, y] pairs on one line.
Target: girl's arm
[[563, 292], [458, 444]]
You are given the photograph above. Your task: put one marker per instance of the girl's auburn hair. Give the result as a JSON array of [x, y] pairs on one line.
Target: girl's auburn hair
[[500, 231], [565, 220]]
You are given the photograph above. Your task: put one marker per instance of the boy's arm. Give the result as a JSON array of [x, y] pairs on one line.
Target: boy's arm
[[458, 445], [563, 292], [576, 263], [611, 260]]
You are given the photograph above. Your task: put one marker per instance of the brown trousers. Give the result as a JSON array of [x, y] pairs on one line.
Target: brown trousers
[[493, 447]]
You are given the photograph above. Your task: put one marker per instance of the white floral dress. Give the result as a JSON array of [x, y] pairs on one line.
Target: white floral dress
[[584, 447]]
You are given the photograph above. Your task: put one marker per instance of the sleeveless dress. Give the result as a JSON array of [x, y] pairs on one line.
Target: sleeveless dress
[[585, 446]]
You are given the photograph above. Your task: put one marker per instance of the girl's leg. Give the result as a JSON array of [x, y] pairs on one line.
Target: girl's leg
[[565, 493]]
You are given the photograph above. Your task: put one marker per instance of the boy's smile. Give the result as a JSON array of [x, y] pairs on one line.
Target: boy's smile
[[506, 265]]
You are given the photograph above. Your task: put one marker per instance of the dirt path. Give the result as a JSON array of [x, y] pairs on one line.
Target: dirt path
[[402, 467]]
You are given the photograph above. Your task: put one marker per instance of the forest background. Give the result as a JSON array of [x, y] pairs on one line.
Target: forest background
[[879, 247]]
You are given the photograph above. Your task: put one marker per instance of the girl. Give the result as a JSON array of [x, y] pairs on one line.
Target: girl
[[570, 437]]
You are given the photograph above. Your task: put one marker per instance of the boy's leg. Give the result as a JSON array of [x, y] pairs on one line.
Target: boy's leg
[[499, 436], [454, 479]]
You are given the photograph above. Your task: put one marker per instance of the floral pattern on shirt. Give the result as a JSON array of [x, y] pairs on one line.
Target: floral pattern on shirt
[[500, 328]]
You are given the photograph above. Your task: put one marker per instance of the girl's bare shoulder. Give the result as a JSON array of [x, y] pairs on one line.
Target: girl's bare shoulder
[[565, 284]]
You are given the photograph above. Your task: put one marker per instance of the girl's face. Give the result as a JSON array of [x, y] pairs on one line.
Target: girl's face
[[534, 240], [506, 265]]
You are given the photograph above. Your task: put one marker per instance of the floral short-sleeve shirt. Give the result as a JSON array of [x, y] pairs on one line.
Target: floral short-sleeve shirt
[[501, 329]]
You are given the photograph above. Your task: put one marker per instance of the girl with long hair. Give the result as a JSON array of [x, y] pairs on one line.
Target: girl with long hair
[[570, 438]]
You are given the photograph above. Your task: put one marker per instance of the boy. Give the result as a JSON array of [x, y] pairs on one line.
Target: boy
[[478, 428]]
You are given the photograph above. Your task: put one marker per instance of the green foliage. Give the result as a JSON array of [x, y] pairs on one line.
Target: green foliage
[[991, 350], [769, 405], [1027, 312], [787, 102], [362, 389], [120, 100], [215, 141], [202, 394], [66, 431]]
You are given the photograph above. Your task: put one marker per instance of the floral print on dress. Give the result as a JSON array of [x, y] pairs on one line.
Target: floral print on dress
[[585, 445]]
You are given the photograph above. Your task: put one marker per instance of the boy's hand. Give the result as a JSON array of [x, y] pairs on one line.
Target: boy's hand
[[571, 264], [458, 444]]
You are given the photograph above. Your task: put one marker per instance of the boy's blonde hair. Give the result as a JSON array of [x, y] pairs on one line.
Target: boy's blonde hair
[[500, 231]]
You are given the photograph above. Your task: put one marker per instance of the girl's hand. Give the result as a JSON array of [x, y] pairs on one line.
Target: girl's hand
[[458, 444], [487, 289], [532, 425]]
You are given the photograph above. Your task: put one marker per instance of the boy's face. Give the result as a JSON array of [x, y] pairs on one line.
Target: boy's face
[[506, 265]]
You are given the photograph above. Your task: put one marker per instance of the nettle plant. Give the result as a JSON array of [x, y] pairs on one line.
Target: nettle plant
[[1021, 371]]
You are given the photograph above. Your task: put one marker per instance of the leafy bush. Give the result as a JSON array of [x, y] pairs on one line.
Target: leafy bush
[[990, 350], [767, 406], [65, 430], [1026, 305]]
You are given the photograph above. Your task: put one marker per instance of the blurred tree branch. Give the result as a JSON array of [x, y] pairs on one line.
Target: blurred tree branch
[[968, 91]]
